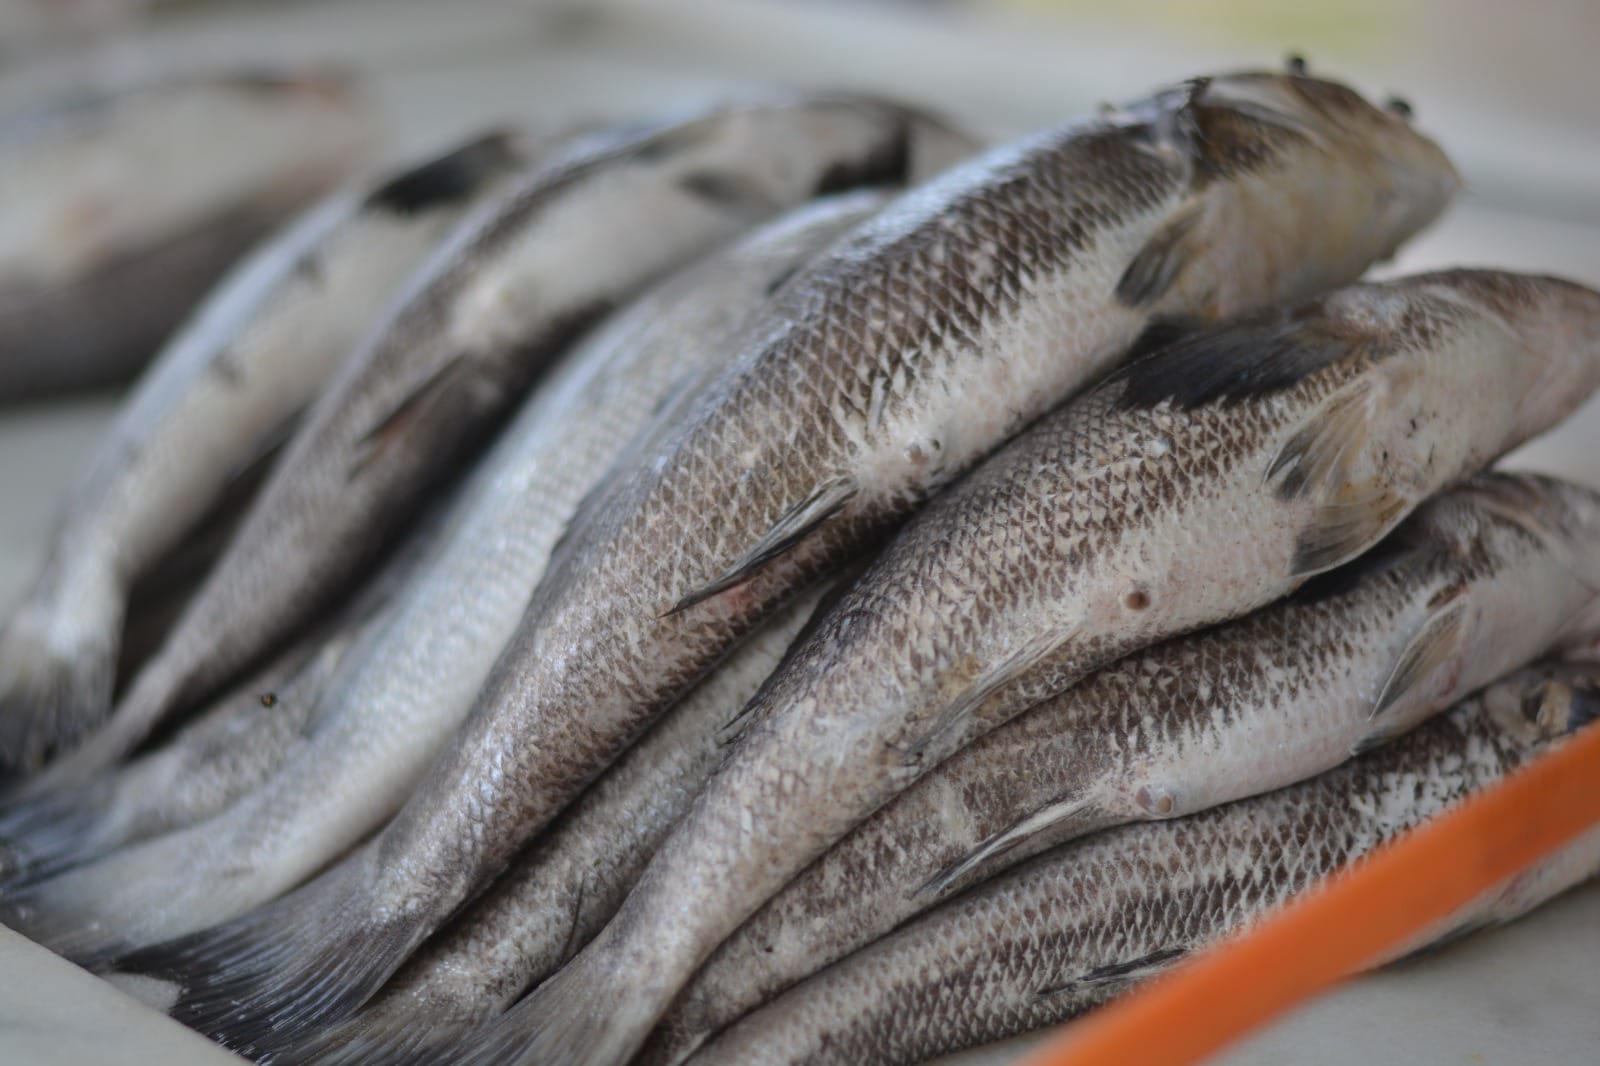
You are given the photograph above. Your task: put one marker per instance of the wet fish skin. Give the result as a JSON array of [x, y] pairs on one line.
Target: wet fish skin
[[1479, 582], [1200, 483], [248, 360], [407, 692], [122, 209], [561, 891], [481, 320], [1002, 280], [1066, 932]]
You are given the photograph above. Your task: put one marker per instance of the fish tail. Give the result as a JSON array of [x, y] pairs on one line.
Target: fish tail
[[584, 1015], [261, 982], [45, 834], [58, 660], [376, 1038]]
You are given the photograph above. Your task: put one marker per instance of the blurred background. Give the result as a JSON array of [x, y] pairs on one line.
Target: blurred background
[[1511, 91]]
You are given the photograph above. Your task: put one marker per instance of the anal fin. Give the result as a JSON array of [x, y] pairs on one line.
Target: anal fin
[[792, 527], [1039, 821]]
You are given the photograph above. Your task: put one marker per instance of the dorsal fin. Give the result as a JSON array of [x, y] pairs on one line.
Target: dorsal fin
[[1247, 358], [449, 178]]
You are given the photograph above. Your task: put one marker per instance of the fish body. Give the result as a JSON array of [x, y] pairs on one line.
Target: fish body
[[117, 212], [1201, 482], [1479, 582], [1071, 929], [251, 357], [561, 891], [480, 321], [917, 344], [407, 691]]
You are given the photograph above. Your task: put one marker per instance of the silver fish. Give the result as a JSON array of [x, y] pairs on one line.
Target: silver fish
[[916, 345], [407, 693], [223, 754], [251, 357], [561, 891], [482, 320], [118, 211], [1072, 929], [1477, 583], [1201, 482]]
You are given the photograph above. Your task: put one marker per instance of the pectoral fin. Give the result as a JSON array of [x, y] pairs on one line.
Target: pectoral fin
[[1116, 973], [797, 523], [1434, 646], [1352, 515], [1038, 822], [408, 411], [1158, 264]]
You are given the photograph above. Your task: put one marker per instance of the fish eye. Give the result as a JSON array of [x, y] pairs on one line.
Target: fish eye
[[1296, 64], [1398, 105]]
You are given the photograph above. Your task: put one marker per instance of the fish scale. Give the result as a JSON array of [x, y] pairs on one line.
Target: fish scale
[[1071, 929], [651, 595], [935, 646], [1266, 701]]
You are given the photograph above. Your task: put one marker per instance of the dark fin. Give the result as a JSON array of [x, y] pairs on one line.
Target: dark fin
[[392, 426], [1163, 331], [1138, 969], [794, 526], [1159, 262], [1431, 648], [45, 835], [1041, 821], [728, 190], [888, 163], [449, 178], [1253, 357], [264, 980]]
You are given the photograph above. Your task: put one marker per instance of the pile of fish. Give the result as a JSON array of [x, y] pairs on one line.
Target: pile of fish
[[691, 591]]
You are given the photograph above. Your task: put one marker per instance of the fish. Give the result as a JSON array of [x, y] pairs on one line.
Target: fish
[[917, 344], [1203, 480], [119, 208], [406, 693], [478, 323], [226, 751], [561, 891], [1478, 582], [1083, 923], [222, 391]]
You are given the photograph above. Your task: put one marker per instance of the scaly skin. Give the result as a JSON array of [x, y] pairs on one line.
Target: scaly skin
[[1067, 932], [251, 357], [1196, 485], [919, 343], [1272, 699]]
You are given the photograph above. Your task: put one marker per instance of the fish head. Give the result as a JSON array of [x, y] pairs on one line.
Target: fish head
[[1548, 327], [1547, 701], [1297, 185]]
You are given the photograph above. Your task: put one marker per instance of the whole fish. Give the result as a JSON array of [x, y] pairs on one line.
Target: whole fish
[[404, 697], [1072, 929], [1198, 484], [917, 344], [252, 356], [484, 318], [1477, 583], [561, 891], [118, 210]]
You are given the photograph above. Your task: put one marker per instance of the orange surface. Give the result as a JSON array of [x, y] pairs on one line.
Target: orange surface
[[1340, 928]]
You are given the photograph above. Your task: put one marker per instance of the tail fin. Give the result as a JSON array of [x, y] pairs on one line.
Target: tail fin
[[58, 660], [582, 1016], [261, 982], [386, 1037], [43, 835]]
